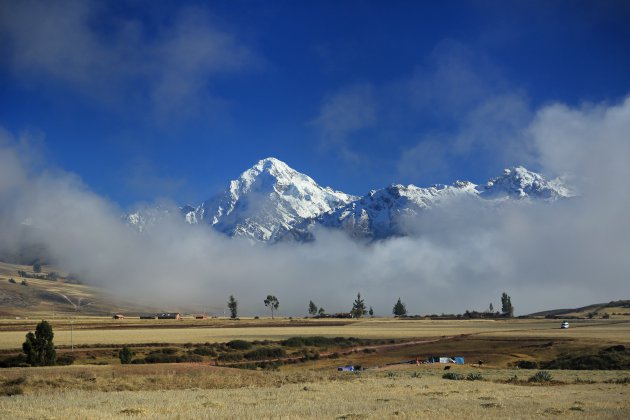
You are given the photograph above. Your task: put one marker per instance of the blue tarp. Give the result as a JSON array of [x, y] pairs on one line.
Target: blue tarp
[[459, 360]]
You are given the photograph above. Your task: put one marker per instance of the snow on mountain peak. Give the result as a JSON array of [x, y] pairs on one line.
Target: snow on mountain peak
[[267, 200], [518, 182], [271, 201]]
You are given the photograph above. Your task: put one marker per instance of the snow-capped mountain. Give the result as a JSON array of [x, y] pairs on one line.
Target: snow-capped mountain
[[381, 213], [521, 184], [271, 202], [377, 214], [266, 201]]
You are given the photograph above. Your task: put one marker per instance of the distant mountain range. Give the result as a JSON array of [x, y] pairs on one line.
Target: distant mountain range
[[272, 202]]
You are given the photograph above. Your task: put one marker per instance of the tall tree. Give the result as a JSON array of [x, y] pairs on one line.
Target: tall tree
[[490, 308], [358, 307], [312, 308], [233, 307], [399, 308], [321, 311], [39, 347], [37, 267], [272, 303], [371, 312], [506, 305]]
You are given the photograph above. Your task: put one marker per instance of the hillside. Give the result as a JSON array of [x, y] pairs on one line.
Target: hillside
[[30, 297], [596, 310]]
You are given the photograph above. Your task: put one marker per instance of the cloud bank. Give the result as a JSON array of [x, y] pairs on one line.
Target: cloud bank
[[545, 256]]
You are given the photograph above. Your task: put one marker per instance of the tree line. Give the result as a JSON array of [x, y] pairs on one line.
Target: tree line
[[359, 308]]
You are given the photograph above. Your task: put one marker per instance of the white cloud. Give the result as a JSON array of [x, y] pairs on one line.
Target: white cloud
[[343, 114], [80, 44]]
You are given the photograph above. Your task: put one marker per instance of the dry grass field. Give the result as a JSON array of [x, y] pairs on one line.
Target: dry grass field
[[86, 332], [315, 389], [209, 392]]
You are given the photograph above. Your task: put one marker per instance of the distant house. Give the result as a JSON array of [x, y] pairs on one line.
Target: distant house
[[118, 316], [148, 316], [169, 315]]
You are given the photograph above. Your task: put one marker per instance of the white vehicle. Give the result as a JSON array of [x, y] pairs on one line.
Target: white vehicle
[[564, 325]]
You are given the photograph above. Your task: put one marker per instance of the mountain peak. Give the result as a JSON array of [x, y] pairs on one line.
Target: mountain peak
[[267, 200], [521, 183]]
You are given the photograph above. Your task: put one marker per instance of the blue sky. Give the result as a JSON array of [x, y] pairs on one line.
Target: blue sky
[[151, 99]]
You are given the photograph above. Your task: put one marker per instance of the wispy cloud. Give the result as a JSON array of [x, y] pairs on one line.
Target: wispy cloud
[[343, 114], [454, 107], [85, 46]]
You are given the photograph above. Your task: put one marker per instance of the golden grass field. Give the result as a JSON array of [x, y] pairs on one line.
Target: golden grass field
[[136, 331], [315, 389], [178, 392]]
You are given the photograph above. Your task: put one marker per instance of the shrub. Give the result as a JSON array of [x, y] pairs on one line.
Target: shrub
[[65, 360], [266, 353], [13, 361], [625, 380], [474, 377], [231, 357], [314, 341], [239, 345], [205, 351], [526, 364], [541, 376], [12, 280], [453, 376], [125, 355]]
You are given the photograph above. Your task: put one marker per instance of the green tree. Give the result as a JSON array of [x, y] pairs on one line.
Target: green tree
[[233, 307], [490, 308], [312, 308], [321, 311], [506, 305], [38, 347], [371, 312], [399, 308], [37, 267], [358, 307], [272, 303], [125, 355]]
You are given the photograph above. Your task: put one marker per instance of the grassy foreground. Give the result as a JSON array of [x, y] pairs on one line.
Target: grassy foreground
[[314, 388], [415, 393]]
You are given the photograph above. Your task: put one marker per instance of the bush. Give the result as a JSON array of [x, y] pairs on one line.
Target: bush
[[125, 355], [541, 376], [65, 360], [313, 341], [612, 358], [266, 353], [12, 280], [474, 377], [205, 351], [239, 345], [526, 364], [231, 357], [453, 376], [13, 361]]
